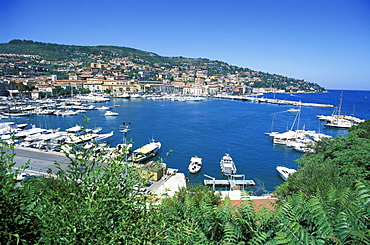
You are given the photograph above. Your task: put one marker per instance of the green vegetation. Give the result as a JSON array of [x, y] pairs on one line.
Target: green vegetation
[[96, 201], [337, 163]]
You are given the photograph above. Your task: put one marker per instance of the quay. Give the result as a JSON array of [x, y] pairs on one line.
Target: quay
[[272, 101]]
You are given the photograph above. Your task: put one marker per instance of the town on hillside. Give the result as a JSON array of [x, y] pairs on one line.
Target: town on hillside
[[36, 77]]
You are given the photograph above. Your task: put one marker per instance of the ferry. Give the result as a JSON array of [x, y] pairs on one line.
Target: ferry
[[195, 164], [227, 165], [285, 172], [145, 152]]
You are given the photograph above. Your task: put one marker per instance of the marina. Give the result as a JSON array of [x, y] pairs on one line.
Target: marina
[[206, 128]]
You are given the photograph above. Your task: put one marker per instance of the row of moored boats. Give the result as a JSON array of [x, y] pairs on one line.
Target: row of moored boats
[[68, 139], [227, 165], [57, 109], [299, 140]]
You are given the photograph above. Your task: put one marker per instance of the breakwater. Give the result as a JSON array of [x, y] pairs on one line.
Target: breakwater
[[272, 101]]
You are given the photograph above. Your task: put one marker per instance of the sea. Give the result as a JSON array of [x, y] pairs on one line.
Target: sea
[[213, 127]]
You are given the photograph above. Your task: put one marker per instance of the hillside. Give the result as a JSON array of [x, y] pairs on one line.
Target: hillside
[[87, 54]]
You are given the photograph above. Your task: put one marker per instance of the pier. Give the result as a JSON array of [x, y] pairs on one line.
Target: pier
[[272, 101], [232, 182]]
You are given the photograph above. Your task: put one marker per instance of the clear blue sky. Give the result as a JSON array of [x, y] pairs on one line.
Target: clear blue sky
[[322, 41]]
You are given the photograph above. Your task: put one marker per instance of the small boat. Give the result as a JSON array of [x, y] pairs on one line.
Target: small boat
[[145, 152], [111, 113], [103, 108], [285, 172], [293, 110], [227, 165], [195, 164]]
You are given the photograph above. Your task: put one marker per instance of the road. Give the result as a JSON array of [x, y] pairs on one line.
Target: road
[[40, 161]]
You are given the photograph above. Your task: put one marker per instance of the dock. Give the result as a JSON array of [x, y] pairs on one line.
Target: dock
[[232, 182], [222, 183]]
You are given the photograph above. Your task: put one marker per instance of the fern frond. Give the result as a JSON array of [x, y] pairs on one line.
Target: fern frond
[[230, 237]]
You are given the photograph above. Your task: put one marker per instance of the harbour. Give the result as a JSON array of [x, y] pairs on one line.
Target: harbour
[[210, 128]]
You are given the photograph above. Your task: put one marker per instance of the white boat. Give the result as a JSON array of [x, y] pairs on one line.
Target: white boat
[[27, 132], [134, 96], [338, 120], [80, 138], [111, 113], [339, 123], [102, 108], [18, 114], [145, 152], [195, 164], [100, 137], [92, 98], [38, 136], [285, 172], [123, 95], [68, 113], [75, 129], [227, 165], [293, 110]]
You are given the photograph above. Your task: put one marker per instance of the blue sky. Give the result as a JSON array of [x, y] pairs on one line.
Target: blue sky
[[322, 41]]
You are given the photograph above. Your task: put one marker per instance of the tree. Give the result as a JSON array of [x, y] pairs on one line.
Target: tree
[[93, 200], [362, 130]]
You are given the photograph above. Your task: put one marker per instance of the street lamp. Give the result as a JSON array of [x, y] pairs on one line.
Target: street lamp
[[125, 129]]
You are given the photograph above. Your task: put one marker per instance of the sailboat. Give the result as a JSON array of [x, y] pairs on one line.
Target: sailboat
[[271, 133], [338, 121]]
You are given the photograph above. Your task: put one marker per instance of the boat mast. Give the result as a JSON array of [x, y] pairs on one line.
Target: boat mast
[[272, 123], [125, 129], [340, 103]]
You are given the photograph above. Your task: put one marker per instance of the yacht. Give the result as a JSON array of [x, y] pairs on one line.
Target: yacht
[[74, 129], [195, 164], [227, 165], [68, 113], [111, 113], [27, 132], [285, 172], [102, 108], [339, 123]]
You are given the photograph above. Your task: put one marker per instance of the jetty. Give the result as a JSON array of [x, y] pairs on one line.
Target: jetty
[[232, 182], [271, 101]]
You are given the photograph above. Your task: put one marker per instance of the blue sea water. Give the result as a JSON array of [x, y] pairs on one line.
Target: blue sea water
[[213, 127]]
